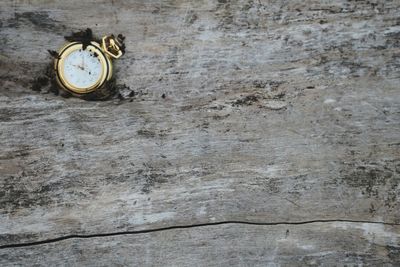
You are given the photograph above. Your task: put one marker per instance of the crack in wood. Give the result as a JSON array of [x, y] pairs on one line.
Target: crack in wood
[[161, 229]]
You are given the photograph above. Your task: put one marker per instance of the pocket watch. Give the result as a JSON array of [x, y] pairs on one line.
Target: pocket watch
[[83, 68]]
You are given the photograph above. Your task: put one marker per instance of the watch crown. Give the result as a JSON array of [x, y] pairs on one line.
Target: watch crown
[[112, 46]]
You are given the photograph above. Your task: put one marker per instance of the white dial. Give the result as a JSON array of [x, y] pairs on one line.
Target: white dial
[[82, 68]]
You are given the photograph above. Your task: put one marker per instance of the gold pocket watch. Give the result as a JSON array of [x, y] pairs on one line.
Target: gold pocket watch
[[85, 67]]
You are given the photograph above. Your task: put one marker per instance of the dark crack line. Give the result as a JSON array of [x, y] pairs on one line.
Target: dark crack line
[[53, 240]]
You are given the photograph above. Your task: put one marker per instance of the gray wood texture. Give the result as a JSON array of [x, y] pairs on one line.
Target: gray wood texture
[[281, 114]]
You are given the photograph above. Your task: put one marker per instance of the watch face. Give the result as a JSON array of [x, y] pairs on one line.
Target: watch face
[[82, 68]]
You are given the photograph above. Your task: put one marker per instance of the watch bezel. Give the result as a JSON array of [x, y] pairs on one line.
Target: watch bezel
[[59, 67]]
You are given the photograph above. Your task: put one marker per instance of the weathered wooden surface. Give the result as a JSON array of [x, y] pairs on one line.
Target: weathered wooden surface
[[327, 244], [274, 112]]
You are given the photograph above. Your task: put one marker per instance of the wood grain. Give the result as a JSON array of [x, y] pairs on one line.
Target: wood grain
[[318, 244], [251, 111]]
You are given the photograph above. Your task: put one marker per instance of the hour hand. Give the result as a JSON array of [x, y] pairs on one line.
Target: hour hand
[[78, 66]]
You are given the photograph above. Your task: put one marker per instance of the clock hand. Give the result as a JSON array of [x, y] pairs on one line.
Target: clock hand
[[83, 62], [80, 67]]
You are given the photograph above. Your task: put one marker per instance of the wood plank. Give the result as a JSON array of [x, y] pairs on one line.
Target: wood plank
[[273, 112], [319, 244]]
